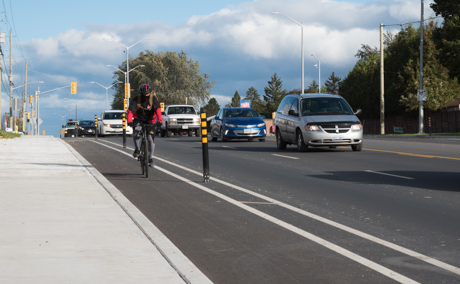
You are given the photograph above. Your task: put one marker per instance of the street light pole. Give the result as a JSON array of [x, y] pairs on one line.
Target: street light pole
[[76, 108], [106, 93], [319, 73], [301, 36], [127, 61]]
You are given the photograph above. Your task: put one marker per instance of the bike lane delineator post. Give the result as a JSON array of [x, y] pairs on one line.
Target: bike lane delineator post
[[95, 124], [204, 145], [124, 130]]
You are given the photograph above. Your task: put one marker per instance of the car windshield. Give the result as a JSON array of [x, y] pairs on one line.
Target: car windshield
[[113, 115], [324, 106], [181, 110], [87, 123], [244, 112]]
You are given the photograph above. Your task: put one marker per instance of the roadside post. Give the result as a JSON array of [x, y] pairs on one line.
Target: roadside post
[[204, 145], [124, 130], [95, 124], [429, 124], [76, 129]]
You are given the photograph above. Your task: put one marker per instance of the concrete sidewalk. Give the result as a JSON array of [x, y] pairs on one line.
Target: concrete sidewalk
[[61, 221]]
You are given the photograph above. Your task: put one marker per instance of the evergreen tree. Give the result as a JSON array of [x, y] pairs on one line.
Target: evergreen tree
[[212, 108], [236, 100], [256, 103], [313, 88], [332, 84], [273, 95]]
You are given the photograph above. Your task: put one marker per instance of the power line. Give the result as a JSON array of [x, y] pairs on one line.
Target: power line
[[430, 19]]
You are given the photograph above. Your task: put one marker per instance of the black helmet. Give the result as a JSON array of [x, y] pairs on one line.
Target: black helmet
[[145, 89]]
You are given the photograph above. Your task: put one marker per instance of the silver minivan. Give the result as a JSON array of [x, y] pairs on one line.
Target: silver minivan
[[317, 120]]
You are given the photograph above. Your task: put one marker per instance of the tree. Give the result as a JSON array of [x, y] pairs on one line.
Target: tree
[[173, 76], [273, 95], [236, 100], [256, 103], [332, 84], [447, 37], [212, 108], [313, 88], [361, 87]]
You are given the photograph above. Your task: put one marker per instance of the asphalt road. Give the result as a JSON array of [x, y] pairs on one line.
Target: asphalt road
[[387, 214]]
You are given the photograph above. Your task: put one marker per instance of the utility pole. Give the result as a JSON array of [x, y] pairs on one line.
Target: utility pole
[[2, 40], [382, 89], [24, 105], [420, 103], [11, 80], [15, 113]]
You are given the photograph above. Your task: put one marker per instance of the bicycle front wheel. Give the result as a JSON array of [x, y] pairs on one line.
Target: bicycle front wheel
[[146, 160]]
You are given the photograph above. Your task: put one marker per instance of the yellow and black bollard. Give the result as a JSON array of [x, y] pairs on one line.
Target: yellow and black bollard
[[95, 124], [124, 130], [204, 144], [429, 124], [76, 129]]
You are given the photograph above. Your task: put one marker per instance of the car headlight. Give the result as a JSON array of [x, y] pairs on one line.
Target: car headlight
[[356, 127], [230, 125], [311, 127], [261, 125], [108, 125], [197, 120]]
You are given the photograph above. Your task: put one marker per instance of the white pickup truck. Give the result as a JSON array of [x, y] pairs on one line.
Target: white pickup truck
[[180, 119]]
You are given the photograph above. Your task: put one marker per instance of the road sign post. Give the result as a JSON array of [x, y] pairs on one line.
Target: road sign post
[[204, 145]]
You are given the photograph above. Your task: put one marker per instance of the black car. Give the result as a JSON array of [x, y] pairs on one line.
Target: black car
[[86, 128]]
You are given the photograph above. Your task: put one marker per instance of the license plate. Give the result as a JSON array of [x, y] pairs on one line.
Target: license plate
[[89, 130], [247, 131], [184, 126], [118, 130], [337, 138]]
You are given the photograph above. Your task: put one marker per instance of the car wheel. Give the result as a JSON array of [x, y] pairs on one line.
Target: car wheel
[[280, 143], [262, 139], [357, 147], [301, 146], [162, 133], [222, 136], [213, 138], [190, 133]]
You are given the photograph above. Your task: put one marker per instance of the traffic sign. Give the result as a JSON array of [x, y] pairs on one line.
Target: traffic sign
[[40, 121], [421, 95]]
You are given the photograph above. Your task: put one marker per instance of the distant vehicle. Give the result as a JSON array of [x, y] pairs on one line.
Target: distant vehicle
[[69, 128], [86, 128], [111, 123], [238, 123], [312, 120], [180, 119]]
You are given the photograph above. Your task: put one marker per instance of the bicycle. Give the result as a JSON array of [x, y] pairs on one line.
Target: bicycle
[[144, 151]]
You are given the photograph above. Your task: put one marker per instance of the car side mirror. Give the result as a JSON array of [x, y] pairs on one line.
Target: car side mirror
[[358, 111], [263, 116], [293, 112]]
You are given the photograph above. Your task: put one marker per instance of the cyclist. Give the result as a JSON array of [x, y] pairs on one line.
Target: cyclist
[[144, 109]]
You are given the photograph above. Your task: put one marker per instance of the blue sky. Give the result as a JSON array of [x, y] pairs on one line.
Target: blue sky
[[238, 43]]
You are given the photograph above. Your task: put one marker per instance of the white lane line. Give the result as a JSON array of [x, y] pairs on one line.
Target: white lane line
[[294, 158], [387, 244], [228, 147], [348, 254], [380, 173]]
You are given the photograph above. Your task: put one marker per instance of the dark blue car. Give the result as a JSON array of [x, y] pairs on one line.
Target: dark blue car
[[238, 123]]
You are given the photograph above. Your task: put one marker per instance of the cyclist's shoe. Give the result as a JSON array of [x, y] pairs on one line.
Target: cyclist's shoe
[[151, 163], [136, 154]]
